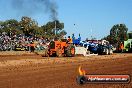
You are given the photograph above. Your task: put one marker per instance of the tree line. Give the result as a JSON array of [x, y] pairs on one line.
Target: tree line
[[29, 27], [118, 34]]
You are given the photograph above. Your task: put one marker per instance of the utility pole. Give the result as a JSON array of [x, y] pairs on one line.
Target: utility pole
[[55, 28]]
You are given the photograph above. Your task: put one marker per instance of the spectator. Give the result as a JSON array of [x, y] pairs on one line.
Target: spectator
[[21, 41]]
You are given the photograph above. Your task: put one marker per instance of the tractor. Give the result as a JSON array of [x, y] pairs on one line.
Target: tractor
[[92, 46], [61, 48], [128, 43]]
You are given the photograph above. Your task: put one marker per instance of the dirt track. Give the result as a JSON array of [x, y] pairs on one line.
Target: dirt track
[[39, 72]]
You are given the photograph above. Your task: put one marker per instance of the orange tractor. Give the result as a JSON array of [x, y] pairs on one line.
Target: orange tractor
[[61, 48]]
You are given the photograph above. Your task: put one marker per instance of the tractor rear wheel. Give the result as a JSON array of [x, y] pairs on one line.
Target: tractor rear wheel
[[70, 51]]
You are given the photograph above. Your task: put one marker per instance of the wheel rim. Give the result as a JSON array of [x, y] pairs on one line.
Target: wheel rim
[[72, 51]]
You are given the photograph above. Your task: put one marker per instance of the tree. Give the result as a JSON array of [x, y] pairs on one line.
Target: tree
[[1, 27], [28, 25], [62, 33], [10, 26], [118, 33], [54, 29], [108, 38], [39, 32]]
